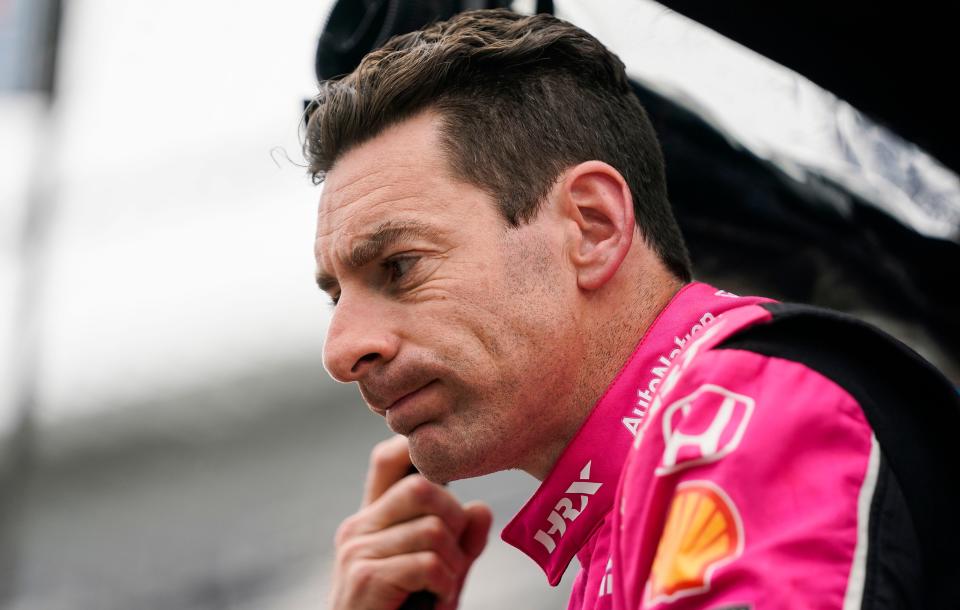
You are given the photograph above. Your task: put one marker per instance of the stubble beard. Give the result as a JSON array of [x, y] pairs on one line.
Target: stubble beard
[[467, 443]]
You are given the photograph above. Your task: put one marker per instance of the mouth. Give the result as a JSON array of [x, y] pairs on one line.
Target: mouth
[[409, 397], [410, 411]]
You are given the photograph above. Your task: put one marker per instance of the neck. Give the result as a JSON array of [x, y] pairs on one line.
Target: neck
[[615, 321]]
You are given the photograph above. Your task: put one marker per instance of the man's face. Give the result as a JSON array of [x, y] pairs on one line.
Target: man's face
[[455, 325]]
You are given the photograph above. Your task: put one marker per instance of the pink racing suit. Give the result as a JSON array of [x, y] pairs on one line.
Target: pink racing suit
[[712, 475]]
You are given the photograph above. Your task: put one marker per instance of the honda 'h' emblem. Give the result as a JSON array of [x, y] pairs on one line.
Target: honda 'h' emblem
[[703, 427]]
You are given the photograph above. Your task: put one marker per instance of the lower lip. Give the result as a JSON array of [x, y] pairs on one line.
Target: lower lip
[[408, 403], [405, 400]]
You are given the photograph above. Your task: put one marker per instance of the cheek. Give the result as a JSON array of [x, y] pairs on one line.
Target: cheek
[[521, 333], [501, 323]]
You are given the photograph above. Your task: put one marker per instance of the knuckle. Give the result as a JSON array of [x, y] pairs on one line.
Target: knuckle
[[345, 531], [434, 530], [349, 550], [432, 565], [361, 574], [422, 490], [381, 454]]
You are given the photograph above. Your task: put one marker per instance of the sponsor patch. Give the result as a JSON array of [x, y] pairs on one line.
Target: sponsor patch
[[693, 340], [703, 531], [703, 427], [564, 511]]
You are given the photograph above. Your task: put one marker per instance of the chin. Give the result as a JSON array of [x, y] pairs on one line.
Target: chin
[[443, 458]]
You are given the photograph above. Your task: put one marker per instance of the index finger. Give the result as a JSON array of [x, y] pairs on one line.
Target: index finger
[[389, 462]]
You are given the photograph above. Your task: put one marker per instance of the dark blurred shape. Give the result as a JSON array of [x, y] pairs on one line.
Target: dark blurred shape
[[29, 30], [355, 28], [421, 600], [748, 224], [817, 242], [893, 63]]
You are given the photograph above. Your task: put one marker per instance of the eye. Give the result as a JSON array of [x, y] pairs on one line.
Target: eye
[[399, 266]]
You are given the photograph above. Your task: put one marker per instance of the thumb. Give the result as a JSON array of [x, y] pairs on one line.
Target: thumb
[[474, 537], [389, 462]]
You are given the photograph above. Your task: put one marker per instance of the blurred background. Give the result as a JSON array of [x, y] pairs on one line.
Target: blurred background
[[168, 436]]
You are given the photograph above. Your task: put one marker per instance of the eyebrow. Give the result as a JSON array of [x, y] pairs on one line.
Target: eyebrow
[[368, 249]]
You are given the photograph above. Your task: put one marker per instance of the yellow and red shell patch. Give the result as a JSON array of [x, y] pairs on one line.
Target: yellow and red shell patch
[[703, 531]]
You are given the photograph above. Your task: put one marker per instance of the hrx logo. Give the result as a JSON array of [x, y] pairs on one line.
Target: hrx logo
[[564, 510]]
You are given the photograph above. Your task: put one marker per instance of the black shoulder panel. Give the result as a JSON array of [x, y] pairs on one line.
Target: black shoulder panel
[[914, 412]]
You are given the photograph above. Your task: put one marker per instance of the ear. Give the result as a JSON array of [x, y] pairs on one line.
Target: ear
[[596, 198]]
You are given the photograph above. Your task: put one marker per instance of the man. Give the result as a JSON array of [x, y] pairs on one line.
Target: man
[[512, 291]]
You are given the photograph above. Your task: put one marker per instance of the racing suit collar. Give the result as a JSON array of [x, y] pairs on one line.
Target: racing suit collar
[[576, 496]]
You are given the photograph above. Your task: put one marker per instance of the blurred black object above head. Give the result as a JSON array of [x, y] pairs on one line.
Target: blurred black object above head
[[356, 27]]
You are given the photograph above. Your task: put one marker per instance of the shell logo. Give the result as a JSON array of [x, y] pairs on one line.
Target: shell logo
[[703, 531]]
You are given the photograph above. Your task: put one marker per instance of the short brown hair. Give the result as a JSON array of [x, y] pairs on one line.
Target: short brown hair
[[520, 98]]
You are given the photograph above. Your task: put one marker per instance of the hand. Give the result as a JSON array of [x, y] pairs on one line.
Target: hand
[[409, 535]]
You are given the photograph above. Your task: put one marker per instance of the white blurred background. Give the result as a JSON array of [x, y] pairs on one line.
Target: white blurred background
[[170, 439]]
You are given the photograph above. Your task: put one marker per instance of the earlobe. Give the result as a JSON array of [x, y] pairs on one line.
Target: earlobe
[[596, 198]]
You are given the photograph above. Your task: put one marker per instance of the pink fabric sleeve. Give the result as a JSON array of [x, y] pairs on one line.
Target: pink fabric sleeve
[[749, 487]]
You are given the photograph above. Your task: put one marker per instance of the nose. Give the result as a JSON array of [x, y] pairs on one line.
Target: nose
[[359, 339]]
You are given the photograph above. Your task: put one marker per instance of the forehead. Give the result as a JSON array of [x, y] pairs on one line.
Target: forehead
[[401, 174]]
